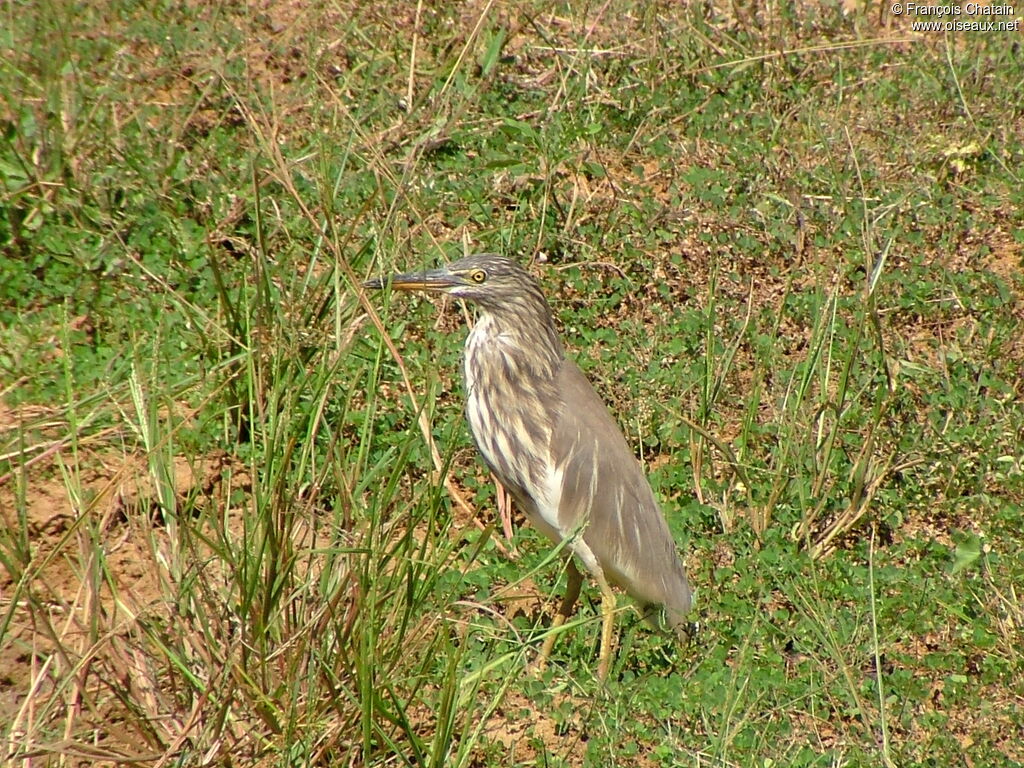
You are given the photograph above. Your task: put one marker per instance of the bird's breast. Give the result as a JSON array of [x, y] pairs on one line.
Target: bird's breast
[[509, 416]]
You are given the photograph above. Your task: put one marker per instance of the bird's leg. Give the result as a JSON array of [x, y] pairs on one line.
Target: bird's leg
[[572, 593], [574, 581], [608, 605], [504, 502]]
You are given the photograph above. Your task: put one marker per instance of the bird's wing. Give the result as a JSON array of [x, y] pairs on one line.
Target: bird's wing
[[604, 489]]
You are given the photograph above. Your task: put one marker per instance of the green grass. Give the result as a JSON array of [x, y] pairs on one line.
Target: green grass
[[238, 495]]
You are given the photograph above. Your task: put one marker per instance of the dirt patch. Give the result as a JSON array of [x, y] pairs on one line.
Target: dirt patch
[[92, 563], [532, 736]]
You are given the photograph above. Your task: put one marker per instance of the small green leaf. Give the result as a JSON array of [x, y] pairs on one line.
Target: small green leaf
[[968, 550], [493, 52]]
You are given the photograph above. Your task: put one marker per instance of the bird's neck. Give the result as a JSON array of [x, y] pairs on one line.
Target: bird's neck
[[516, 346]]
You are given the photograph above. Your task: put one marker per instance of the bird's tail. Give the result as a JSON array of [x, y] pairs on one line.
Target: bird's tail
[[669, 621]]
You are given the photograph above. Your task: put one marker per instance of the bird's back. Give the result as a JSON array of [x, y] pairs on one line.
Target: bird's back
[[605, 490]]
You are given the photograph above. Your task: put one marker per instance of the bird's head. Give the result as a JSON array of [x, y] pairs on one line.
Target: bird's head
[[494, 282]]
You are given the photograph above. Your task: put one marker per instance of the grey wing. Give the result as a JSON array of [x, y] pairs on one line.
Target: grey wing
[[604, 487]]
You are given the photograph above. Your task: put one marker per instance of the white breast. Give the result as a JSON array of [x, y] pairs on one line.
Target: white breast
[[497, 423]]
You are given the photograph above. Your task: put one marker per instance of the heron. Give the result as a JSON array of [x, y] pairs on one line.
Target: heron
[[550, 440]]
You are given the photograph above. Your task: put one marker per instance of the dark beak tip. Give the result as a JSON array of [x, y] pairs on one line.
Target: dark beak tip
[[376, 283]]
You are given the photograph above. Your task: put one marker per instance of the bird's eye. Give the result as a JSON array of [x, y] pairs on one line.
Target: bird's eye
[[477, 276]]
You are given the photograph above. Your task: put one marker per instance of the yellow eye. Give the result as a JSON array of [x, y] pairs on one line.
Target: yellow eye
[[478, 276]]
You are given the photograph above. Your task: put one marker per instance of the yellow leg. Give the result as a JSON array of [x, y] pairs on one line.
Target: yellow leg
[[572, 593], [608, 604], [504, 502]]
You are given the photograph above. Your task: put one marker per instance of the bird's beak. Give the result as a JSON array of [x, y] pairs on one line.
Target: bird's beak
[[431, 280]]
